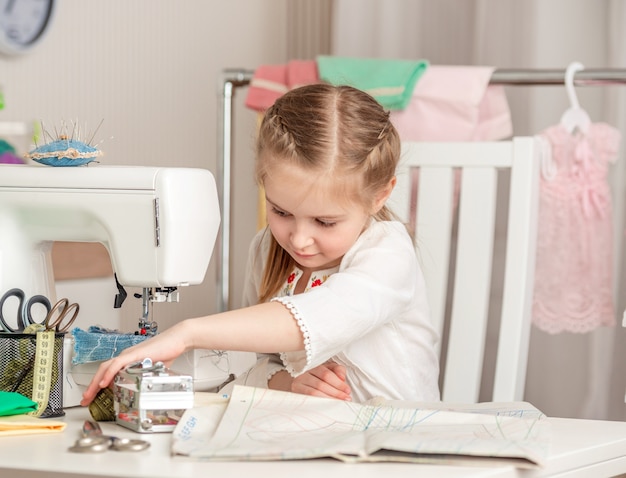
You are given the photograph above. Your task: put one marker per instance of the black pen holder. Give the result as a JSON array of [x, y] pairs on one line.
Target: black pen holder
[[39, 377]]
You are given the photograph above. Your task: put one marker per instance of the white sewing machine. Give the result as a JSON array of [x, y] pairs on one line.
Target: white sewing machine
[[159, 225]]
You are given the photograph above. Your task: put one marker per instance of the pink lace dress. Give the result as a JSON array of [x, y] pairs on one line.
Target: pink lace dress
[[574, 276]]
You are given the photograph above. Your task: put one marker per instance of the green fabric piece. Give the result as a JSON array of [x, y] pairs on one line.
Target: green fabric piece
[[13, 403], [391, 82]]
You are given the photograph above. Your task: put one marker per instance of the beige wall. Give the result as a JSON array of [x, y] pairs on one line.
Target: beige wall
[[150, 69]]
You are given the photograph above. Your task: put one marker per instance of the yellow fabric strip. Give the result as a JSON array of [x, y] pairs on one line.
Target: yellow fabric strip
[[25, 425]]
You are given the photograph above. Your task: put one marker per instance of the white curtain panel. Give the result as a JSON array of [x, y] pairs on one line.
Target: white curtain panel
[[573, 375]]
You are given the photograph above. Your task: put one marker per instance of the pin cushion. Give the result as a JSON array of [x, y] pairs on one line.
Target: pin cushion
[[64, 152]]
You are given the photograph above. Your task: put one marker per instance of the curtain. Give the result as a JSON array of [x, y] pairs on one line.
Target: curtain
[[569, 375], [308, 28]]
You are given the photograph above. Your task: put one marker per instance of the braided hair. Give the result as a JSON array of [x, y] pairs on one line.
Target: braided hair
[[336, 131]]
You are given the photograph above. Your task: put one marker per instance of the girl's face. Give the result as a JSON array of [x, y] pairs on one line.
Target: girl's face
[[307, 219]]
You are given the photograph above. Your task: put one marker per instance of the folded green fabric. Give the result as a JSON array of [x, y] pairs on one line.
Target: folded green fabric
[[13, 403], [391, 82]]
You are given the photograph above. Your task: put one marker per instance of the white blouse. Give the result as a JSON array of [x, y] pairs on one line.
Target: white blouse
[[370, 314]]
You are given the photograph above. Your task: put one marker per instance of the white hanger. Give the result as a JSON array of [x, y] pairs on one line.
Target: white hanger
[[574, 118]]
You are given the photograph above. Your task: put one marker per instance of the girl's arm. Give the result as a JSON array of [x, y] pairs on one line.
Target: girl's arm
[[265, 328]]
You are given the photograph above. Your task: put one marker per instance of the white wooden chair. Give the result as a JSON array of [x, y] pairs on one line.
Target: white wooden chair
[[454, 233]]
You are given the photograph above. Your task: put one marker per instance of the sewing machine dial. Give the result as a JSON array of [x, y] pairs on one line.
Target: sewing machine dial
[[23, 24]]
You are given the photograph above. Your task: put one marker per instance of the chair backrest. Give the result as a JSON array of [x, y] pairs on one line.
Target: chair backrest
[[448, 192]]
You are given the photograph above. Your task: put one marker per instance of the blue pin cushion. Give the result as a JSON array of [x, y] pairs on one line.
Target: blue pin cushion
[[64, 152]]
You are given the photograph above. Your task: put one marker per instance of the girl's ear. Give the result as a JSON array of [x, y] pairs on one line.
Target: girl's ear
[[382, 197]]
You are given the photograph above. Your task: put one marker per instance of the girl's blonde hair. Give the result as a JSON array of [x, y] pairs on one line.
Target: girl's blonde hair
[[336, 131]]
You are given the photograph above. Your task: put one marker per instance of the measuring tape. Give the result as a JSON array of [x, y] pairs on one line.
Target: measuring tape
[[42, 370]]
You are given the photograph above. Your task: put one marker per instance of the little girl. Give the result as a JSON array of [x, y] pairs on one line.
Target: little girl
[[335, 299]]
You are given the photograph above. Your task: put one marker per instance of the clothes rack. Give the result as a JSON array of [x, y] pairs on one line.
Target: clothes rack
[[586, 77], [232, 79]]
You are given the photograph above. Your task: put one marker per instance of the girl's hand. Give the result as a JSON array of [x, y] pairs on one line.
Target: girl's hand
[[326, 380], [164, 347]]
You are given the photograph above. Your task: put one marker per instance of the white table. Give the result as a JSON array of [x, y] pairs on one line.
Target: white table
[[580, 448]]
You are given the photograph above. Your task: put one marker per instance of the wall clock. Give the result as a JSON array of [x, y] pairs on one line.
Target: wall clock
[[23, 23]]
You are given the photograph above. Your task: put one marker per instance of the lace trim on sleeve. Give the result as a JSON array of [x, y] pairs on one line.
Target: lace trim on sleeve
[[305, 334], [273, 372]]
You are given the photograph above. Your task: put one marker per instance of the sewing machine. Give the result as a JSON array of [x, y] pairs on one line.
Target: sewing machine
[[159, 225]]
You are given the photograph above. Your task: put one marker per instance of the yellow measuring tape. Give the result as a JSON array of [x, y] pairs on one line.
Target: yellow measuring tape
[[42, 370]]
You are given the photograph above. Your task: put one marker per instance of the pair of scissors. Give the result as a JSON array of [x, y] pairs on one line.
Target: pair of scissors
[[24, 316], [94, 441], [54, 315], [62, 309]]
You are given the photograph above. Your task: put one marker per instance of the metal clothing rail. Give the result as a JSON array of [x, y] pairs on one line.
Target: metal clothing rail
[[231, 79], [586, 77]]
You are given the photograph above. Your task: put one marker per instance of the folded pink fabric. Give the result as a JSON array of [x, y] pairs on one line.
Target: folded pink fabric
[[269, 82], [455, 103], [301, 72]]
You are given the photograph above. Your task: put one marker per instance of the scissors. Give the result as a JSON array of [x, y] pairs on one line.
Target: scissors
[[94, 441], [62, 308], [24, 314]]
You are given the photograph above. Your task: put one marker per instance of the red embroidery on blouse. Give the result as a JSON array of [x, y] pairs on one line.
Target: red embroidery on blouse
[[316, 282], [291, 278]]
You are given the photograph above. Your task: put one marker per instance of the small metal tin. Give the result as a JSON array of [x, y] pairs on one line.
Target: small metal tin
[[150, 398]]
